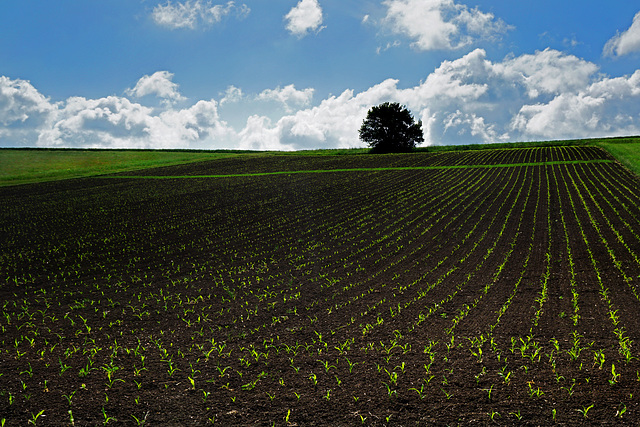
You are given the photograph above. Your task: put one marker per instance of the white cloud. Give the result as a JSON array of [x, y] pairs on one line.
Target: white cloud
[[304, 17], [179, 16], [333, 123], [625, 43], [115, 122], [159, 84], [287, 96], [197, 126], [192, 14], [473, 99], [29, 118], [549, 72], [607, 107], [20, 102], [232, 94], [260, 134], [105, 122], [470, 122], [23, 112], [544, 95], [441, 24], [389, 45]]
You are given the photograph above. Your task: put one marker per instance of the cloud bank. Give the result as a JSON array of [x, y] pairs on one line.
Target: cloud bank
[[544, 95], [115, 122]]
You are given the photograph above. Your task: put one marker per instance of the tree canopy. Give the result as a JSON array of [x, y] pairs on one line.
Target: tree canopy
[[390, 128]]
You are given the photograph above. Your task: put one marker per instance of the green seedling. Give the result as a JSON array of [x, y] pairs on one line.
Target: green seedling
[[420, 392], [141, 421], [622, 408], [585, 410], [614, 376], [34, 417], [313, 379], [107, 419]]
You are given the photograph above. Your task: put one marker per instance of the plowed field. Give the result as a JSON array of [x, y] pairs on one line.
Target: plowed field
[[493, 286]]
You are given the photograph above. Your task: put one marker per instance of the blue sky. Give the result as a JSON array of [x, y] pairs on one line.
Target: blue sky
[[300, 74]]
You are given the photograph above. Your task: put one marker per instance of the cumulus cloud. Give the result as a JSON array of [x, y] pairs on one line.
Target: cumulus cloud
[[20, 102], [116, 122], [96, 122], [23, 110], [544, 95], [260, 134], [28, 118], [288, 96], [197, 126], [159, 84], [626, 42], [232, 94], [609, 106], [304, 17], [333, 123], [441, 24], [192, 14], [549, 72]]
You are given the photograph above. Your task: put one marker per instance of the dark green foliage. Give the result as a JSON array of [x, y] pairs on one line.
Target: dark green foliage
[[390, 128]]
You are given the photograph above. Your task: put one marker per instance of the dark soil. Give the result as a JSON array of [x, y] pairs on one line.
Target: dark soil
[[411, 297]]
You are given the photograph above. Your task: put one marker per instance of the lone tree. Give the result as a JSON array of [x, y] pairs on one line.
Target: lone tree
[[390, 128]]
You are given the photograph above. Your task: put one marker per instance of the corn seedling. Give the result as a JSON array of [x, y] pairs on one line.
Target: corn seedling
[[106, 419], [615, 377], [489, 391], [622, 409], [140, 421], [34, 417], [585, 410], [420, 392]]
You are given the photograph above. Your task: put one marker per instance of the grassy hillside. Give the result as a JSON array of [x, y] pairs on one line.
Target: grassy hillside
[[23, 166], [626, 150]]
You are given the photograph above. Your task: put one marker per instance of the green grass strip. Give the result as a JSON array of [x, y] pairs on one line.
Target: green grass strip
[[26, 166], [401, 168], [628, 153]]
